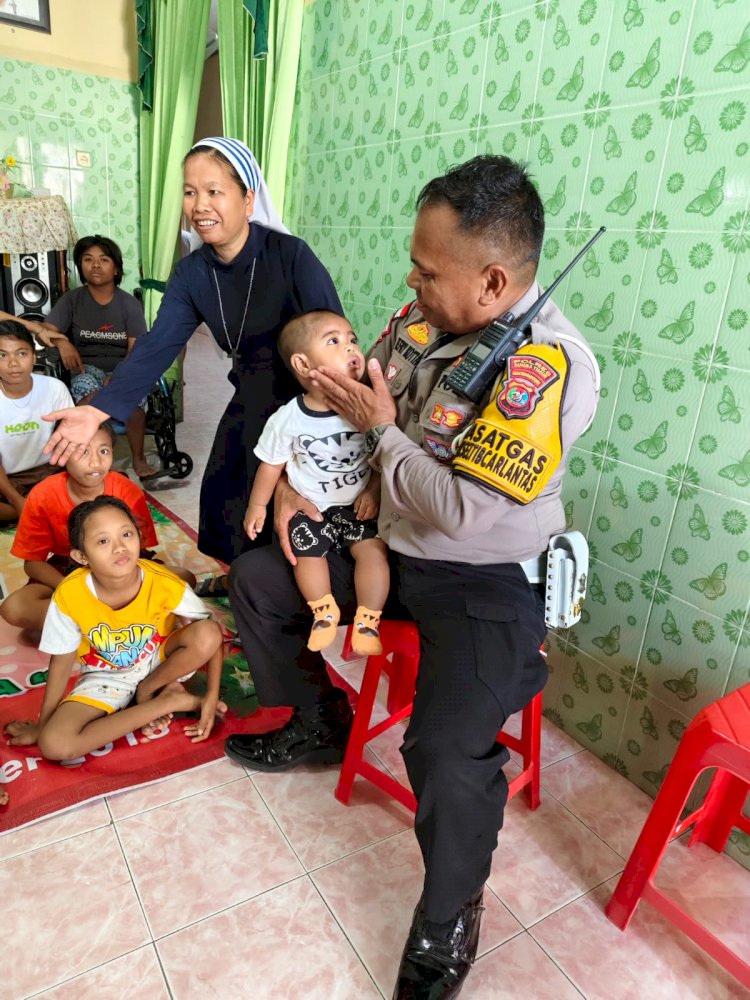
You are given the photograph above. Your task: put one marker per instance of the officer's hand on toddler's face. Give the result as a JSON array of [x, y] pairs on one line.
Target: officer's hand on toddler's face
[[362, 405]]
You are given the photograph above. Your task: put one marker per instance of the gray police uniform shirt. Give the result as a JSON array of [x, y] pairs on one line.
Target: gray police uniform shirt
[[425, 510], [99, 332]]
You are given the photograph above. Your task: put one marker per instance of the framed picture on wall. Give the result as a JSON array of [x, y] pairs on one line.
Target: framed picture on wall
[[33, 14]]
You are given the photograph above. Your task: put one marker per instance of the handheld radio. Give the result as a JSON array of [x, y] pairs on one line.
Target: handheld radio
[[479, 367]]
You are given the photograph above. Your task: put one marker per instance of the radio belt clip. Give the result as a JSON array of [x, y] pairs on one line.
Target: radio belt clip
[[567, 577]]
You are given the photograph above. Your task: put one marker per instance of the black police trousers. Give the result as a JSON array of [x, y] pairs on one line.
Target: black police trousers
[[480, 631]]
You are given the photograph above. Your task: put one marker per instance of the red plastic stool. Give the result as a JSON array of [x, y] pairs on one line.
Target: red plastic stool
[[719, 736], [402, 640]]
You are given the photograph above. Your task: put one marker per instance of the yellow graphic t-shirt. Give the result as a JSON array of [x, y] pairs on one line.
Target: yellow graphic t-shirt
[[122, 639]]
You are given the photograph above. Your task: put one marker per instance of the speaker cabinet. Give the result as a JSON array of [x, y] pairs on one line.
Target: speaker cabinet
[[31, 283]]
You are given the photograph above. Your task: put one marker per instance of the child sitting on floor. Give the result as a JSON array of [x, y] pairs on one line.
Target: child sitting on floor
[[119, 617], [42, 534], [324, 461], [24, 397]]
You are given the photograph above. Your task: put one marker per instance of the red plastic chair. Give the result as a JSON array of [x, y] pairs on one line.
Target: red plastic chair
[[719, 736], [402, 640]]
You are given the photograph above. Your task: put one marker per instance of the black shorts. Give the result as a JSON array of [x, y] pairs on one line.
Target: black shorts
[[339, 529]]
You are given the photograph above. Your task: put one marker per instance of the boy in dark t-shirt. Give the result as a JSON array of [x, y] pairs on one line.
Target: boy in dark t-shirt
[[99, 331], [94, 327]]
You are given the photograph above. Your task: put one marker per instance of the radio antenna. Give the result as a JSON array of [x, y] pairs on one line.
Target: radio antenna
[[535, 308]]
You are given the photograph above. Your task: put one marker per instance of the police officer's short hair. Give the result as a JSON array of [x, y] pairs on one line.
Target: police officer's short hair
[[495, 200]]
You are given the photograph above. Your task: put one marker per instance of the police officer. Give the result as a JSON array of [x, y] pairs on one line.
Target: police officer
[[458, 545]]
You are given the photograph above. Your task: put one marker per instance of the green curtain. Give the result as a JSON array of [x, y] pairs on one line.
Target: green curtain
[[258, 10], [166, 134], [257, 96], [145, 34], [242, 76]]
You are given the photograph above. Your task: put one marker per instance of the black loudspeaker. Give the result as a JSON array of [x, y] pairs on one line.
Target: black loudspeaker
[[31, 283]]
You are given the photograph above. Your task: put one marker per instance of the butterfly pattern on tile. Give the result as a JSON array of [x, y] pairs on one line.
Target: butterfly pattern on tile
[[391, 94]]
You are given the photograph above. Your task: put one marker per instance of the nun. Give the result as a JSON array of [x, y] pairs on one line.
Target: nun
[[246, 281]]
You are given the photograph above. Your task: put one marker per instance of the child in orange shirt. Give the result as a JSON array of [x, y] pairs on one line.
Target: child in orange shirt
[[42, 534]]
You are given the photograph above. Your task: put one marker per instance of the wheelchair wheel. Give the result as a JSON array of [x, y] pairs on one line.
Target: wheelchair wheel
[[181, 464], [165, 447]]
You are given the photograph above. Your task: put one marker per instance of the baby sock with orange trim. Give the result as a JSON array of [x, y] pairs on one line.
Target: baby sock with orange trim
[[326, 615], [366, 632]]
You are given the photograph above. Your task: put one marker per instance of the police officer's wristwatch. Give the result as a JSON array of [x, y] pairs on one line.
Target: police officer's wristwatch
[[372, 438]]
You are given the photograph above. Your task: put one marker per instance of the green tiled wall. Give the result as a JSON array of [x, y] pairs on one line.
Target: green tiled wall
[[632, 115], [46, 116]]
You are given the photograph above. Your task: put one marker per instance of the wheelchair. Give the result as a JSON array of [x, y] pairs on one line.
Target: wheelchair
[[161, 418], [162, 423]]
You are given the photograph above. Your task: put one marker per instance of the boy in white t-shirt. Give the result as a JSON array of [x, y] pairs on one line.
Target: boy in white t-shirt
[[24, 397], [324, 461]]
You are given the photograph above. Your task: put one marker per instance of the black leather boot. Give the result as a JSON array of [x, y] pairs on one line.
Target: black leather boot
[[314, 735], [435, 967]]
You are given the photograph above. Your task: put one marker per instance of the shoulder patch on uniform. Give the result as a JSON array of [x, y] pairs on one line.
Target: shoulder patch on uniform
[[453, 418], [527, 378]]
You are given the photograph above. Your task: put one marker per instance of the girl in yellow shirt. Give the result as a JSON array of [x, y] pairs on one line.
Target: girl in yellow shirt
[[119, 617]]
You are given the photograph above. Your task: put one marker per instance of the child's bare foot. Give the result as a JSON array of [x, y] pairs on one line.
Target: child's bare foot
[[180, 700], [149, 730], [172, 698], [3, 797]]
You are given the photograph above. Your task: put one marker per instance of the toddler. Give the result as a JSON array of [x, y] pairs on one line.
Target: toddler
[[324, 461]]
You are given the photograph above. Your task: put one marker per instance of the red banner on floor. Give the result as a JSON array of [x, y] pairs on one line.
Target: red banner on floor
[[40, 788]]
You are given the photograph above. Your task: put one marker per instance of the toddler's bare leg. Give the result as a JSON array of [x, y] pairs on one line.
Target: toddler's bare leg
[[371, 584], [372, 575]]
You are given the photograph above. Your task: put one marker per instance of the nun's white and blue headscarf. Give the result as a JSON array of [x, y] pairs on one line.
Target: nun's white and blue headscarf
[[247, 167]]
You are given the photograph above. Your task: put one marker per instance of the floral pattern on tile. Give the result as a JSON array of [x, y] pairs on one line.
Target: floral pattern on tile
[[48, 117], [630, 115]]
